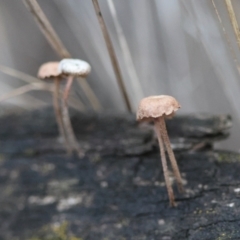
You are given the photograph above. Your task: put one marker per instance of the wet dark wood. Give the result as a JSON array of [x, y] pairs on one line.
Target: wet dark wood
[[117, 190]]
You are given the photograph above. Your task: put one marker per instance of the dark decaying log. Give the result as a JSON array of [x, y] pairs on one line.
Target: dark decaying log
[[117, 190]]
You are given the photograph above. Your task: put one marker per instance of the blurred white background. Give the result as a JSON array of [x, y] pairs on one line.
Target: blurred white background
[[175, 47]]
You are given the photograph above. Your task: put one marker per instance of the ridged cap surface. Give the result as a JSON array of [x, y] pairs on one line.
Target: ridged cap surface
[[75, 67], [156, 106], [49, 70]]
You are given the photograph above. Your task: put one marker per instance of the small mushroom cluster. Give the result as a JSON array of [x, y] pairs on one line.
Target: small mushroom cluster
[[66, 68], [157, 108], [153, 108]]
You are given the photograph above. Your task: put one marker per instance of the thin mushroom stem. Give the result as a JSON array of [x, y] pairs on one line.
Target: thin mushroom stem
[[58, 114], [164, 164], [68, 88], [67, 122], [171, 155]]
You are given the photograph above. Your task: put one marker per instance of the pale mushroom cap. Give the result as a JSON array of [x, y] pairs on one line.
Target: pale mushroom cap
[[49, 70], [75, 67], [156, 106]]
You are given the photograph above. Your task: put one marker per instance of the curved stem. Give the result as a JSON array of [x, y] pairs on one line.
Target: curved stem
[[164, 164], [58, 114], [67, 121], [67, 88], [171, 155]]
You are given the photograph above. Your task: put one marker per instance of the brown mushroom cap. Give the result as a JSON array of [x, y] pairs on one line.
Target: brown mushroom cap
[[49, 70], [156, 106]]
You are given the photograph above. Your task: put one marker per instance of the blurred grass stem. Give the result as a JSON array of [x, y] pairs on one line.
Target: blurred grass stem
[[130, 68], [73, 102], [58, 46], [112, 55], [233, 20]]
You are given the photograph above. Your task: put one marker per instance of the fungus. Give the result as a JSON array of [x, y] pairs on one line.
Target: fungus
[[68, 68], [71, 68], [50, 70], [157, 108]]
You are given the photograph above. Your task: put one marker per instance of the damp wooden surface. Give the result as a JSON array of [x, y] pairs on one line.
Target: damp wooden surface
[[117, 190]]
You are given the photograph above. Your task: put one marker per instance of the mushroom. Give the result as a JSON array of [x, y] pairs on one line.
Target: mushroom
[[73, 68], [69, 68], [50, 70], [157, 108]]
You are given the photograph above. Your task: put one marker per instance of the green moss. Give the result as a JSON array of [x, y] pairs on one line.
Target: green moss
[[95, 158], [2, 159], [223, 236], [206, 211], [55, 233], [227, 157], [29, 152]]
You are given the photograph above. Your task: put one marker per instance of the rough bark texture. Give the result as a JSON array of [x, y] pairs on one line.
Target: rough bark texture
[[117, 190]]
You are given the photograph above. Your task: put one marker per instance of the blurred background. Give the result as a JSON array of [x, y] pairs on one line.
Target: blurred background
[[187, 49]]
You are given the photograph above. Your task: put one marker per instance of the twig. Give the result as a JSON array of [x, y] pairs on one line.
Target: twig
[[112, 55], [26, 88], [88, 91], [17, 74], [226, 36], [73, 102], [58, 46], [76, 103], [126, 53], [46, 28], [233, 20]]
